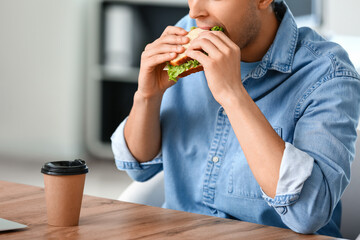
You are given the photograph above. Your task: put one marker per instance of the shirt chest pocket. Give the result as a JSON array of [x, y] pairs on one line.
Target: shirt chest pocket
[[241, 181]]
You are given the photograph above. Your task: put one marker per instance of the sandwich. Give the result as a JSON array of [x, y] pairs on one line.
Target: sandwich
[[183, 65]]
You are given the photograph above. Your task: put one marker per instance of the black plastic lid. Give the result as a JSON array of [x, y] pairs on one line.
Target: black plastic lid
[[75, 167]]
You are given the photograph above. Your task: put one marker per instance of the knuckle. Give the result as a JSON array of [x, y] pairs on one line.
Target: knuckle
[[147, 47], [167, 29], [174, 48], [202, 41], [178, 39], [227, 51]]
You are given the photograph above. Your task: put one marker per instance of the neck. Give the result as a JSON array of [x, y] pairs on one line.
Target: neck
[[256, 50]]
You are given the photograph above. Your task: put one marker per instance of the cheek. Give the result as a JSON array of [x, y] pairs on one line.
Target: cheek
[[234, 30], [242, 28]]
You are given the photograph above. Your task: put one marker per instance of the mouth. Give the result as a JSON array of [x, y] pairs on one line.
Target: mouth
[[210, 26], [205, 27]]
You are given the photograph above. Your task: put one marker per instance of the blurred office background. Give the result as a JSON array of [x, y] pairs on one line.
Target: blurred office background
[[68, 70]]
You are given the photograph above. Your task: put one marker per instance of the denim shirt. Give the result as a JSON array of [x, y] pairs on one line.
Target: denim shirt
[[309, 92]]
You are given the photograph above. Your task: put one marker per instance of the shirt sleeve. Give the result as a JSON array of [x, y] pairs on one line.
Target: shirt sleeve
[[296, 166], [316, 165], [125, 161]]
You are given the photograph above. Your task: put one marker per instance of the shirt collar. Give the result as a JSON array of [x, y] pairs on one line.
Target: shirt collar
[[281, 53]]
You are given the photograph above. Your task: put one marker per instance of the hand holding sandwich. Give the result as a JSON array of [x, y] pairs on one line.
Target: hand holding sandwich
[[221, 64], [153, 80]]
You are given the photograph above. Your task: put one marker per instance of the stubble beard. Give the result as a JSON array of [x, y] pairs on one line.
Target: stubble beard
[[250, 30]]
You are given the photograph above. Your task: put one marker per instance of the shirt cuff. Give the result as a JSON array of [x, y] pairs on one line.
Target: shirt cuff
[[296, 166], [123, 158]]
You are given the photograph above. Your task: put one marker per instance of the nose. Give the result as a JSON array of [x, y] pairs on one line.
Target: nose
[[197, 9]]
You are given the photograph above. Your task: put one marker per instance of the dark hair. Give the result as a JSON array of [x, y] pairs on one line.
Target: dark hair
[[273, 4]]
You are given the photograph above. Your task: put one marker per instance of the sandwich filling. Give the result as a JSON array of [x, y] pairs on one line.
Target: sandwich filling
[[175, 71]]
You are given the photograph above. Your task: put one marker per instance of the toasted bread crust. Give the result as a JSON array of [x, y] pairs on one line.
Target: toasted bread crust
[[180, 61], [182, 58], [191, 71]]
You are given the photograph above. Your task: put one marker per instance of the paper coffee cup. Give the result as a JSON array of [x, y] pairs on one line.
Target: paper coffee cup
[[64, 186]]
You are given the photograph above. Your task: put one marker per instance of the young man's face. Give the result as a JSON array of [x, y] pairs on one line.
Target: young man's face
[[239, 18]]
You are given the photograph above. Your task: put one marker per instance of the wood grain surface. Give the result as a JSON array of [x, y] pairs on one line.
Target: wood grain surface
[[102, 218]]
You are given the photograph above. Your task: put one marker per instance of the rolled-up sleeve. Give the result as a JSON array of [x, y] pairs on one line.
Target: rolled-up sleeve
[[296, 167], [315, 168], [125, 161]]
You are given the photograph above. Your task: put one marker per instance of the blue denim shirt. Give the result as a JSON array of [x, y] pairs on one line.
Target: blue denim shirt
[[308, 90]]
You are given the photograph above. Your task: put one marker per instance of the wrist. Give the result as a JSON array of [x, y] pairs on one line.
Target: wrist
[[146, 96], [236, 98], [147, 99]]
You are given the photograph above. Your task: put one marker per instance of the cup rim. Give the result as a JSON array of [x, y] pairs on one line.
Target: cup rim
[[75, 167]]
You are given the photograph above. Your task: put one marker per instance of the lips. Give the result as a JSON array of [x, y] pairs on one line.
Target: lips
[[205, 27], [208, 26]]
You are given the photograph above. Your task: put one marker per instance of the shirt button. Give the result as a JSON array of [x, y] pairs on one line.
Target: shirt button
[[224, 112], [215, 159]]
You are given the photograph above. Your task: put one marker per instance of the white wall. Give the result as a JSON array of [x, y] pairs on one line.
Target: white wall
[[41, 78], [342, 16]]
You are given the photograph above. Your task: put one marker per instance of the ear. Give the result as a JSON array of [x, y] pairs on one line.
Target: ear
[[264, 4]]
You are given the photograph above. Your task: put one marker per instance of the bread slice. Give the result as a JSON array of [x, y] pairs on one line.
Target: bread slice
[[183, 65], [191, 71], [182, 58]]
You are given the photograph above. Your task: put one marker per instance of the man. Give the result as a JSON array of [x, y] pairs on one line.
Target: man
[[265, 134]]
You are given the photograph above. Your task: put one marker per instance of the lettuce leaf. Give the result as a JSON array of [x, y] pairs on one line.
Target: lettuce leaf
[[175, 71], [217, 28]]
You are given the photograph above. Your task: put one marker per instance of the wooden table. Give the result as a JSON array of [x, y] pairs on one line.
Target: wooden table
[[102, 218]]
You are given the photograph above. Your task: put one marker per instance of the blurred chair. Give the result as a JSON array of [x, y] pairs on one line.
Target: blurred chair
[[149, 193], [152, 193]]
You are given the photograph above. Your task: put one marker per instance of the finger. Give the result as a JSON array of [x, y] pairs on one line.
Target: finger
[[220, 43], [158, 59], [205, 45], [223, 37], [164, 48], [214, 39], [172, 30], [168, 39], [173, 39], [198, 55]]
